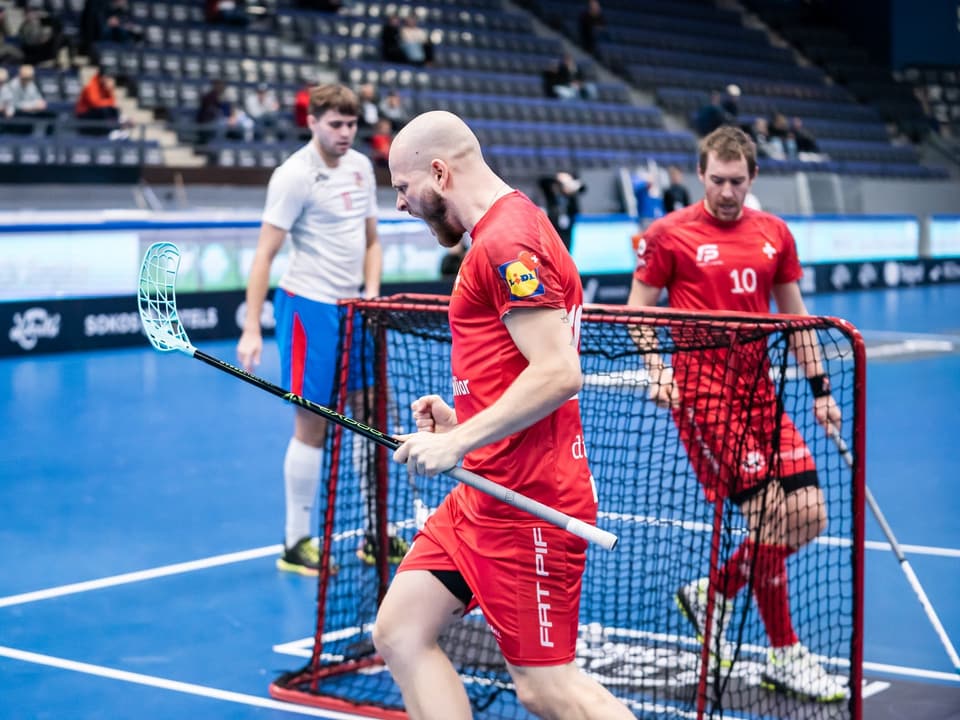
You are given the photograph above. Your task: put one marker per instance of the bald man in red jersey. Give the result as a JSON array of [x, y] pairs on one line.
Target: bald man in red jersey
[[515, 320]]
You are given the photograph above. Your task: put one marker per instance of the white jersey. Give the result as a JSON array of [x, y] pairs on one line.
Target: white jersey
[[325, 211]]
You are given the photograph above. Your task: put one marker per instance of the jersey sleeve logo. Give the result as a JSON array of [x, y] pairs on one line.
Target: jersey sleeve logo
[[522, 276], [640, 249]]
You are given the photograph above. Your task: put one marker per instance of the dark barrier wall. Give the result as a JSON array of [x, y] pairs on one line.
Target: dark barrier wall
[[900, 33], [924, 33]]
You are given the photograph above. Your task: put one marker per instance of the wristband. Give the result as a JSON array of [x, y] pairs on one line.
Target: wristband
[[819, 385]]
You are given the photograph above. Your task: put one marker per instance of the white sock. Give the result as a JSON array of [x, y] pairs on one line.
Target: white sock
[[301, 478]]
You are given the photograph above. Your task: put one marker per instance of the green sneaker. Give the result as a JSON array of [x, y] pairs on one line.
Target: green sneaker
[[367, 552], [691, 599], [795, 671], [304, 558]]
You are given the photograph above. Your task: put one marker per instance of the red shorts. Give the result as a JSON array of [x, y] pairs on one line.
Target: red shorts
[[525, 578], [731, 445]]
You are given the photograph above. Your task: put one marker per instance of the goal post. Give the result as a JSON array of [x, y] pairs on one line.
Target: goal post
[[632, 637]]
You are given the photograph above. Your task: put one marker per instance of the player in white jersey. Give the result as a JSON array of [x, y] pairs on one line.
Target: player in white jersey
[[324, 197]]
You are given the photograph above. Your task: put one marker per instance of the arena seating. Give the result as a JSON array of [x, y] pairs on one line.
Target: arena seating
[[939, 88], [487, 66], [58, 141], [851, 66], [682, 51]]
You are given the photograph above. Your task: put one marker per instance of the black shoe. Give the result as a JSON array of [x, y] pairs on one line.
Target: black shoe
[[304, 558], [367, 552]]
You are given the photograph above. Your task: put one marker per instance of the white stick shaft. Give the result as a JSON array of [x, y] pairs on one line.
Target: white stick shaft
[[902, 559], [586, 531]]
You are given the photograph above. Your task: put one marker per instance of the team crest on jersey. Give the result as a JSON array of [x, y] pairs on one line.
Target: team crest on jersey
[[358, 178], [522, 276], [708, 254]]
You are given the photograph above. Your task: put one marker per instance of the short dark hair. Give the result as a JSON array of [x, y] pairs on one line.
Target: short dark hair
[[333, 97], [729, 143]]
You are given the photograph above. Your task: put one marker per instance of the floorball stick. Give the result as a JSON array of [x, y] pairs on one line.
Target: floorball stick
[[157, 303], [901, 558]]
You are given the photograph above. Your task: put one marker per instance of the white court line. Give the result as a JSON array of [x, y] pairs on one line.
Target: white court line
[[912, 672], [895, 335], [909, 347], [304, 648], [698, 526], [251, 700], [174, 685], [256, 553], [140, 575], [874, 688], [886, 547], [268, 550]]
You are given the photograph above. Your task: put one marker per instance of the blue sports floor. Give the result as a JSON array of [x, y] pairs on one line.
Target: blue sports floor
[[141, 510]]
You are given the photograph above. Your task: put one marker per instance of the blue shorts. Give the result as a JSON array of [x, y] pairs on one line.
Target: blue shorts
[[308, 334]]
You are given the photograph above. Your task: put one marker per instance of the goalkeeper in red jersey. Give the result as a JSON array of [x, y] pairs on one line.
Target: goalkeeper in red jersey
[[515, 322], [719, 255]]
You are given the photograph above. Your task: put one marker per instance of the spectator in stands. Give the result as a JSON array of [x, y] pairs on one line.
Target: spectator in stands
[[93, 19], [10, 53], [390, 48], [768, 145], [646, 194], [561, 193], [25, 102], [41, 35], [213, 104], [806, 143], [730, 103], [415, 42], [711, 115], [393, 107], [780, 129], [215, 110], [565, 80], [98, 104], [591, 19], [301, 103], [676, 196], [226, 12], [119, 27], [263, 108], [380, 142], [369, 110], [5, 100]]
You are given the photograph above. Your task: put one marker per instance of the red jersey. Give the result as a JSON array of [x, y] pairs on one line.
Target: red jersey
[[708, 264], [517, 260]]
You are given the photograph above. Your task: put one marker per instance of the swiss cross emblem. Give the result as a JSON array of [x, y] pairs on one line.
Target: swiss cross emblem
[[769, 250]]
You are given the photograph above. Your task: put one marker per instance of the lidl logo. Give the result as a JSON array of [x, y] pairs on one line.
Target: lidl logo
[[522, 277]]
